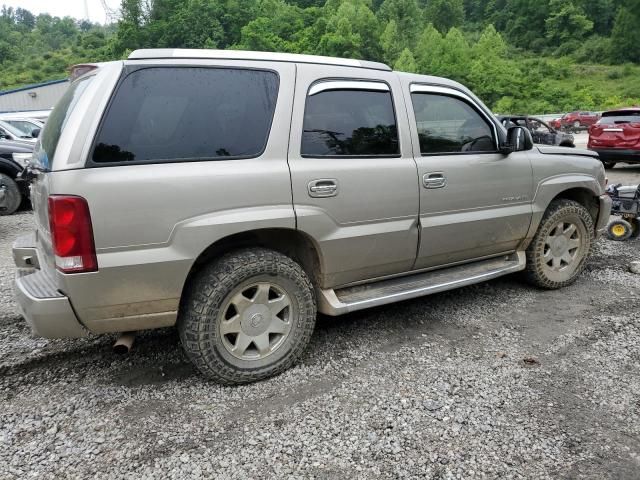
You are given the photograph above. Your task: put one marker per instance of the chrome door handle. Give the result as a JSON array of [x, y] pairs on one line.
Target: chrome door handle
[[434, 180], [324, 187]]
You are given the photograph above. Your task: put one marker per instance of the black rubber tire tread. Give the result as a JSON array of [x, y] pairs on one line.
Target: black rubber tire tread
[[13, 197], [628, 230], [635, 224], [533, 273], [205, 294], [608, 164]]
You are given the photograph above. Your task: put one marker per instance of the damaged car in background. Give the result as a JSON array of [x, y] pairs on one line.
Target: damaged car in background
[[541, 132]]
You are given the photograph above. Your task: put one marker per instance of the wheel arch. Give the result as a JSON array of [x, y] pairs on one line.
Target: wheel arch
[[585, 197], [581, 189], [295, 244]]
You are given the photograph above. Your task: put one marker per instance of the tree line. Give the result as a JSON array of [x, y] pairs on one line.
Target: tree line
[[517, 55]]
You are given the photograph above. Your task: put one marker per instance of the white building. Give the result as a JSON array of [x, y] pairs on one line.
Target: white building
[[42, 96]]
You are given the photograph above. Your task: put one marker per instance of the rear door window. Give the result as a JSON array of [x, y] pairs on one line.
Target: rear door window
[[163, 114], [350, 122]]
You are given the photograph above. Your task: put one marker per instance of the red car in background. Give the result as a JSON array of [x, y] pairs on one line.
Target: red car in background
[[616, 136], [579, 120]]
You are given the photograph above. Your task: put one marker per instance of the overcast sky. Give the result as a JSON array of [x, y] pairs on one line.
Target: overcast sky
[[62, 8]]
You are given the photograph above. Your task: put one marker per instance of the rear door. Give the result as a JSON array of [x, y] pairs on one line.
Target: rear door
[[353, 175], [474, 201]]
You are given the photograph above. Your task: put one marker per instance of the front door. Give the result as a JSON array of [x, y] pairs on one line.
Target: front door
[[353, 175], [474, 201]]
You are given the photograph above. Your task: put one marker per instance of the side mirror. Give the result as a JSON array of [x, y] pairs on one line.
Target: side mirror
[[35, 133], [518, 140]]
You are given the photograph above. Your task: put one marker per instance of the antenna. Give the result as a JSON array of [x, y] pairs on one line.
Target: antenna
[[86, 11]]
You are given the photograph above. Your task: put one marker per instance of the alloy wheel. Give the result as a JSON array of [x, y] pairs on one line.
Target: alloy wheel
[[256, 320]]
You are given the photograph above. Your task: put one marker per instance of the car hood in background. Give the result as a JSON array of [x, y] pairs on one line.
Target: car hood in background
[[16, 146], [581, 152]]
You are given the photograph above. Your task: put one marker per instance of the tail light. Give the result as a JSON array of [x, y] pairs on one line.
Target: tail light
[[71, 234]]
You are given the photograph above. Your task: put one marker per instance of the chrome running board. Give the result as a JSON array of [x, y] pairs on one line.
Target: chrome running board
[[350, 299]]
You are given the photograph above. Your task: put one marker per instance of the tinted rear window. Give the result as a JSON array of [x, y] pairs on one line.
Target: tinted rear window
[[57, 120], [628, 116], [174, 114], [350, 123]]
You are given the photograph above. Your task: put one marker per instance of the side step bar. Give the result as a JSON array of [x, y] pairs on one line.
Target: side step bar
[[350, 299]]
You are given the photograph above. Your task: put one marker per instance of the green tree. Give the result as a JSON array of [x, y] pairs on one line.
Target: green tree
[[352, 31], [445, 14], [429, 50], [391, 42], [566, 22], [406, 62], [625, 37], [456, 56], [491, 75], [407, 16]]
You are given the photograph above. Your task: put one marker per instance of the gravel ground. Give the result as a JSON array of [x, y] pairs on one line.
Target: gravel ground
[[497, 380]]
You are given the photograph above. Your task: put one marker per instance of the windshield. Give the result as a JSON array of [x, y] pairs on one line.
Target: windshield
[[48, 142], [25, 126], [10, 129]]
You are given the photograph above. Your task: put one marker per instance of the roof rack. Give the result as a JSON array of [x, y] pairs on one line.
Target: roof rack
[[158, 53]]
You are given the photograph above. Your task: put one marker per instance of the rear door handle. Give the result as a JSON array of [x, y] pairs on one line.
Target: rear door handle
[[434, 180], [323, 187]]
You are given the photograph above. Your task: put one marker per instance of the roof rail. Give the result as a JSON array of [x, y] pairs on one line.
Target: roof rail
[[158, 53]]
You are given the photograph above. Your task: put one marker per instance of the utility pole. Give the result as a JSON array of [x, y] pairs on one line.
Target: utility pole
[[111, 15], [86, 11]]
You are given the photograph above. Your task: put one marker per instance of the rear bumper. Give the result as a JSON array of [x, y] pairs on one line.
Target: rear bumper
[[48, 312], [603, 214], [618, 155]]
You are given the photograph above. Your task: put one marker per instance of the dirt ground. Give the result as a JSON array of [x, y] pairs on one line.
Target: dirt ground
[[498, 380]]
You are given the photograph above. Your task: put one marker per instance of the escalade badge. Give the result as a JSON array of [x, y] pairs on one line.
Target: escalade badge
[[519, 198]]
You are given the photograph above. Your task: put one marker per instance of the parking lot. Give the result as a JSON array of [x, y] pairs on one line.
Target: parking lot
[[497, 380]]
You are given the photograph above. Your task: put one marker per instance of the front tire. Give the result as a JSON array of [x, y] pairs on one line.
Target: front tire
[[561, 246], [12, 195], [247, 316]]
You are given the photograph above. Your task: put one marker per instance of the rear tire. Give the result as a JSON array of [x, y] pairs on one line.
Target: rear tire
[[561, 246], [12, 195], [619, 230], [608, 164], [247, 316], [635, 225]]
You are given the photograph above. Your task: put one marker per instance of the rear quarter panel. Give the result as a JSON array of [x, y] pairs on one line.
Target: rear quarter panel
[[152, 221]]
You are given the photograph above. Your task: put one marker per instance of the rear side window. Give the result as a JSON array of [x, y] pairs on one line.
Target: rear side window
[[350, 123], [176, 114], [57, 120], [450, 125]]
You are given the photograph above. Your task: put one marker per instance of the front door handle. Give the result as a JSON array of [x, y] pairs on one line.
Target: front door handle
[[434, 180], [322, 188]]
